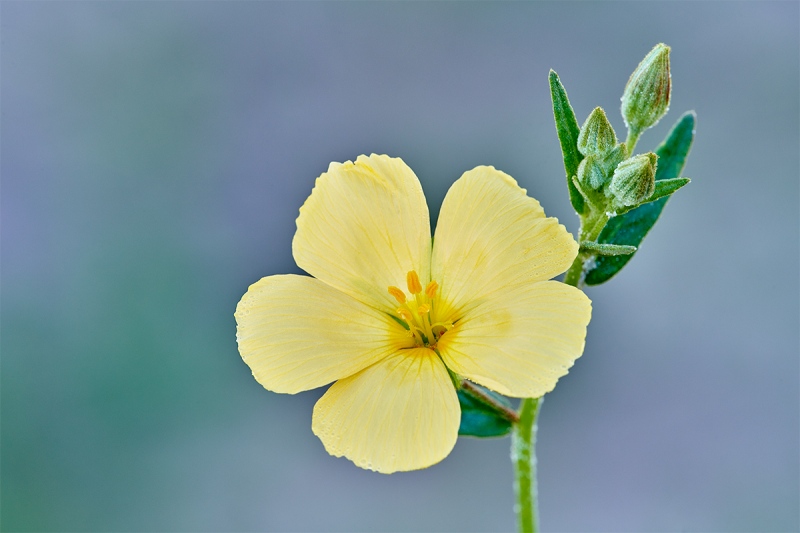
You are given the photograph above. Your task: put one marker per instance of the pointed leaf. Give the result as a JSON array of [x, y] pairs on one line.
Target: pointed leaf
[[667, 187], [479, 419], [606, 249], [568, 130], [632, 227]]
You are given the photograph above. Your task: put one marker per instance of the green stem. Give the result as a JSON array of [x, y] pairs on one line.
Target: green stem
[[523, 440], [592, 227], [630, 142], [523, 454], [590, 231]]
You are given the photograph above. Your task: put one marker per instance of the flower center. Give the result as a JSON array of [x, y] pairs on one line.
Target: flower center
[[417, 312]]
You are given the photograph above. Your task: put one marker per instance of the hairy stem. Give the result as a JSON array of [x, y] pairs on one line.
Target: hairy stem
[[523, 455], [632, 139], [523, 440], [590, 231]]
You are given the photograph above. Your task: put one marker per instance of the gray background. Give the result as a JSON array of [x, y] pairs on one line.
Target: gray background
[[154, 157]]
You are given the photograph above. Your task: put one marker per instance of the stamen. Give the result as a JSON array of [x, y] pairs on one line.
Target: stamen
[[417, 311], [399, 295], [430, 290], [412, 280]]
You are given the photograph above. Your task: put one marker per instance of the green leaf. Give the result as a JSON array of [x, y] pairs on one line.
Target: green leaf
[[667, 187], [568, 131], [481, 420], [632, 227], [606, 249]]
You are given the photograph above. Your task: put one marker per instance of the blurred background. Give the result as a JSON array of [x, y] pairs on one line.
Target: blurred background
[[155, 155]]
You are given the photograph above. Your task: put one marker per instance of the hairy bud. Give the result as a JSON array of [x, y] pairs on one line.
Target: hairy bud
[[646, 96], [634, 180], [597, 136]]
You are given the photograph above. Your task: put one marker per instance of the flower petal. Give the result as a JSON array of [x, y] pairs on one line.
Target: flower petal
[[492, 237], [521, 344], [365, 225], [296, 333], [400, 414]]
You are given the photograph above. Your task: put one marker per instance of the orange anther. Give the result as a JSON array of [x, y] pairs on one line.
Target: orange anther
[[412, 280], [399, 295], [430, 290]]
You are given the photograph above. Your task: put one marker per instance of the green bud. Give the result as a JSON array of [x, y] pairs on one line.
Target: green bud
[[633, 181], [591, 174], [646, 96], [614, 158], [597, 137]]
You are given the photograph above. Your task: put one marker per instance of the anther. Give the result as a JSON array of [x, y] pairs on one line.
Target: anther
[[412, 280], [406, 314], [424, 308], [430, 290], [399, 295]]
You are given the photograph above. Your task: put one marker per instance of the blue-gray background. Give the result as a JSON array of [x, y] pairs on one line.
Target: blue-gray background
[[154, 157]]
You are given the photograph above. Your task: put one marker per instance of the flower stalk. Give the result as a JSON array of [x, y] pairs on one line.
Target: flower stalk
[[589, 232], [523, 455]]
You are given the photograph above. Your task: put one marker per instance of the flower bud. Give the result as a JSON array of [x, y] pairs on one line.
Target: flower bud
[[613, 158], [634, 180], [646, 96], [590, 173], [597, 137]]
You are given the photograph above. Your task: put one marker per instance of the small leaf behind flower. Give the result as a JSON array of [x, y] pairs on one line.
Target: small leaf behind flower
[[481, 420], [568, 130], [631, 228]]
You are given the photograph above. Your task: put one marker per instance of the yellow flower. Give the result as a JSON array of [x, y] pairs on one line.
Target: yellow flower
[[477, 300]]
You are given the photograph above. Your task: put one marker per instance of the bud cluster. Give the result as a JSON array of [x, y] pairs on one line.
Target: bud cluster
[[609, 177], [608, 180]]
